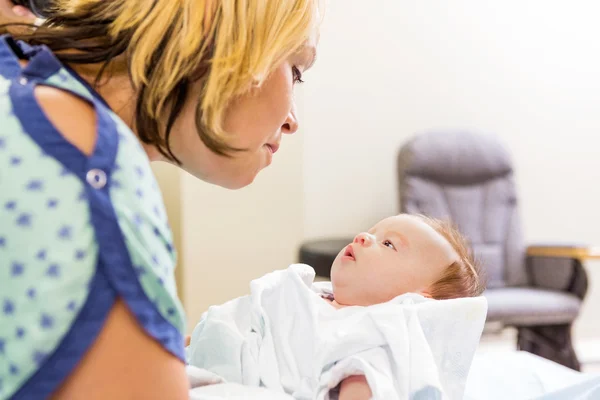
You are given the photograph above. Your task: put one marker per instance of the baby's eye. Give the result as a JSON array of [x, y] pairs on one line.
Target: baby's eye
[[389, 244]]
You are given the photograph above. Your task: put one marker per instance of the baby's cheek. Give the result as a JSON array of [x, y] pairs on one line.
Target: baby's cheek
[[389, 285]]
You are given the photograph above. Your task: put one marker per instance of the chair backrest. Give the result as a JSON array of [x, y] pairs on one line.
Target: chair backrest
[[467, 178]]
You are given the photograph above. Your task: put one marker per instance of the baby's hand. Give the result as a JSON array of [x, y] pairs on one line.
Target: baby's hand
[[355, 388]]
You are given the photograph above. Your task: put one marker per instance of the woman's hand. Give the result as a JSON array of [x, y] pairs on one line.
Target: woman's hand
[[355, 388]]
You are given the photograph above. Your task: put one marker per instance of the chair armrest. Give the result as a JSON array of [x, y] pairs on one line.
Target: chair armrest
[[560, 266], [575, 251]]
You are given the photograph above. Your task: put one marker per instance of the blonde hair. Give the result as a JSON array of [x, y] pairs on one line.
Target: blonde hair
[[230, 45], [462, 278]]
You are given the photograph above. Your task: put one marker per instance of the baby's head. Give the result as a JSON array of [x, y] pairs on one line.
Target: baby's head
[[402, 254]]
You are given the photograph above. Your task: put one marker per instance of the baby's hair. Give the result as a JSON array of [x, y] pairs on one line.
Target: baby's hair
[[462, 278]]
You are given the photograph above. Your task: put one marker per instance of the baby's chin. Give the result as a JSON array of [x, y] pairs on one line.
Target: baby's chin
[[348, 294], [345, 299], [346, 286], [345, 295], [342, 300]]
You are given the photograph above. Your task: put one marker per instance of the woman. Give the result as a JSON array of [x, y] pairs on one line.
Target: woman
[[88, 302]]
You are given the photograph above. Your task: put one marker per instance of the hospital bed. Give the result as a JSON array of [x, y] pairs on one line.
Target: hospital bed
[[493, 376]]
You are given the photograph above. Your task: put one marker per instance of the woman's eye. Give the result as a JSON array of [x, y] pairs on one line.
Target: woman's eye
[[389, 244], [297, 75]]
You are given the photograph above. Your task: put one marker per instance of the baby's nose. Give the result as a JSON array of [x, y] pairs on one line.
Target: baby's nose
[[364, 239]]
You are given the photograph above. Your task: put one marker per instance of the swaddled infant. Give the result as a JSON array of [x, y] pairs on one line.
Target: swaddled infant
[[402, 254], [399, 255]]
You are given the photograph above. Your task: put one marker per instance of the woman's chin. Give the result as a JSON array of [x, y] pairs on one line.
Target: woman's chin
[[235, 182], [243, 179], [238, 184]]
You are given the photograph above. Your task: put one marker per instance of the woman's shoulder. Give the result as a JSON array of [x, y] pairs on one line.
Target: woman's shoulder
[[73, 118]]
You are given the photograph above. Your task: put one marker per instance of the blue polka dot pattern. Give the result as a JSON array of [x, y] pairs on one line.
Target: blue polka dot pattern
[[49, 250], [24, 220], [79, 254], [33, 205], [9, 307], [35, 185], [17, 269], [20, 332], [41, 255], [53, 271], [146, 227]]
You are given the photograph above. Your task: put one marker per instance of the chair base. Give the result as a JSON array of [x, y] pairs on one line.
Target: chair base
[[552, 342]]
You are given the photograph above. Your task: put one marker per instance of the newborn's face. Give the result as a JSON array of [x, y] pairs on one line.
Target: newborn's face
[[398, 255]]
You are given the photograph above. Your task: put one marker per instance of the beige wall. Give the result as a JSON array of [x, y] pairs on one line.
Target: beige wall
[[526, 70]]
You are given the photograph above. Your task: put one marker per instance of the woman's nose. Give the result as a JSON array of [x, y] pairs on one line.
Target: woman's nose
[[290, 125], [364, 239]]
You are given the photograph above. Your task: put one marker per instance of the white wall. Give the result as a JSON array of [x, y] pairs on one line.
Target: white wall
[[526, 70]]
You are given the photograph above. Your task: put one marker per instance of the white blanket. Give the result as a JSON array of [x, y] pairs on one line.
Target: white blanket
[[285, 337]]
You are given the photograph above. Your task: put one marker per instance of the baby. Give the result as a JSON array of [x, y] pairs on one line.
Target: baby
[[405, 254], [400, 255]]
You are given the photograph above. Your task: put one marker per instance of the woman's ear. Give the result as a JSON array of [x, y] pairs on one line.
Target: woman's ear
[[426, 293], [23, 12], [11, 13]]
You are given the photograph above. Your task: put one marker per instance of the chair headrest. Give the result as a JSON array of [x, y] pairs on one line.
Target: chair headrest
[[455, 157]]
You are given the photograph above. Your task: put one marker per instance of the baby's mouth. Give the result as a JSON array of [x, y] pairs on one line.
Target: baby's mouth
[[349, 252]]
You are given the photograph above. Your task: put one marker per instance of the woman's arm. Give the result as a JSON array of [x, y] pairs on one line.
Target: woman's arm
[[125, 363], [355, 388]]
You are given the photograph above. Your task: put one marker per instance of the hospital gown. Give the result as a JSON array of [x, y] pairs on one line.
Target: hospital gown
[[77, 232]]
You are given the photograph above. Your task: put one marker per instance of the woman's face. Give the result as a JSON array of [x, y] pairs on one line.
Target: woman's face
[[257, 121]]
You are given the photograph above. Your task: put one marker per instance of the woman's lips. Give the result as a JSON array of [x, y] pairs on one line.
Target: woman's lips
[[273, 147]]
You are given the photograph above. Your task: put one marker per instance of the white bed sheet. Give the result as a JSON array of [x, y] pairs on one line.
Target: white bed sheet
[[493, 376], [235, 391], [518, 375]]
